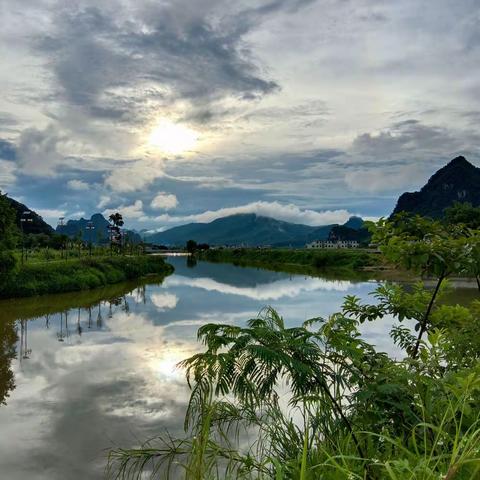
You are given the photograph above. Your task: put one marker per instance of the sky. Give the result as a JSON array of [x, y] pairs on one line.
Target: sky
[[180, 111]]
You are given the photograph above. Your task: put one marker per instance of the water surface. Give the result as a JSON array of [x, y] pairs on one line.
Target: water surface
[[94, 370]]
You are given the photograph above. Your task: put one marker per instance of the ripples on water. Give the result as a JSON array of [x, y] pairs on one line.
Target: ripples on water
[[92, 370]]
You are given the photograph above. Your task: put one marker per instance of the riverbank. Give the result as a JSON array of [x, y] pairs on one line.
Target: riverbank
[[298, 261], [79, 274]]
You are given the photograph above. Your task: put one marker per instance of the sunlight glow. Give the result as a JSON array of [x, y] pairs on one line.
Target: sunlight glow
[[167, 367], [172, 138]]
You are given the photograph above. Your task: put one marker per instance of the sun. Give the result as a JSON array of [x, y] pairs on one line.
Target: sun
[[172, 138]]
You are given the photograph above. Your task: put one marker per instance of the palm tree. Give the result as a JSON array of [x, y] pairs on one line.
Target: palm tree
[[116, 221]]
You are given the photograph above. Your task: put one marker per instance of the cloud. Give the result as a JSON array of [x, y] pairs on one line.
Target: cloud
[[402, 155], [286, 212], [7, 173], [104, 201], [134, 211], [164, 201], [108, 60], [313, 112], [277, 120], [134, 176], [51, 215], [404, 137], [164, 301], [7, 149], [383, 180], [37, 150], [78, 185], [7, 120]]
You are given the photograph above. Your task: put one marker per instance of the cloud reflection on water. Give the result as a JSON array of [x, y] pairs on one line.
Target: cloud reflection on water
[[104, 375]]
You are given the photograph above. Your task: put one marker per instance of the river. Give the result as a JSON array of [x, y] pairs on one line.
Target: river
[[85, 372]]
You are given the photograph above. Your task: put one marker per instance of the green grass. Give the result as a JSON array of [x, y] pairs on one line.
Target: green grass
[[43, 254], [38, 278], [296, 261]]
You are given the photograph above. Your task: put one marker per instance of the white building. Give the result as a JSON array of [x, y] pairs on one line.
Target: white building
[[333, 244]]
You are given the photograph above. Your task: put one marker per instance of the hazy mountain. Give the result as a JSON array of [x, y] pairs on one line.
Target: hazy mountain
[[37, 225], [98, 235], [246, 229], [458, 181]]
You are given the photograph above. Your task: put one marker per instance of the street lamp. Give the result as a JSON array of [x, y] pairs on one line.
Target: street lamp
[[90, 227], [25, 217], [60, 224]]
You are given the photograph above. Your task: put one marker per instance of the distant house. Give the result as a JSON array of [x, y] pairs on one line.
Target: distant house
[[333, 244]]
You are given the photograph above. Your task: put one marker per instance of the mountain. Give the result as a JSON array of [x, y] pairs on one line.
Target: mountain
[[98, 235], [36, 226], [246, 229], [458, 181], [355, 223]]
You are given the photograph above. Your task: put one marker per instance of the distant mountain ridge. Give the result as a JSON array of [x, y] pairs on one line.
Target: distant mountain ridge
[[98, 235], [459, 181], [36, 226], [247, 229]]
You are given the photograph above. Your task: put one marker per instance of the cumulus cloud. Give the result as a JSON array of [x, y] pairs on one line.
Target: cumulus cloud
[[164, 301], [164, 201], [134, 211], [78, 185], [133, 176], [38, 150], [287, 212]]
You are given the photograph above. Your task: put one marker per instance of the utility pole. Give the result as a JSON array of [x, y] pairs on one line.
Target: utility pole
[[61, 223], [90, 227], [23, 219]]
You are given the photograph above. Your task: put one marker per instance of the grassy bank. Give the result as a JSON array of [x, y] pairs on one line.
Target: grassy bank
[[295, 261], [79, 274]]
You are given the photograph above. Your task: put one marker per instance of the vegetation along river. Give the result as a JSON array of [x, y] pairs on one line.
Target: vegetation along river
[[84, 372]]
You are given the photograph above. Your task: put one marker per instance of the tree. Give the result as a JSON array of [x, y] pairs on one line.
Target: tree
[[464, 214], [8, 229], [191, 246], [430, 248], [467, 216], [116, 221], [8, 237]]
